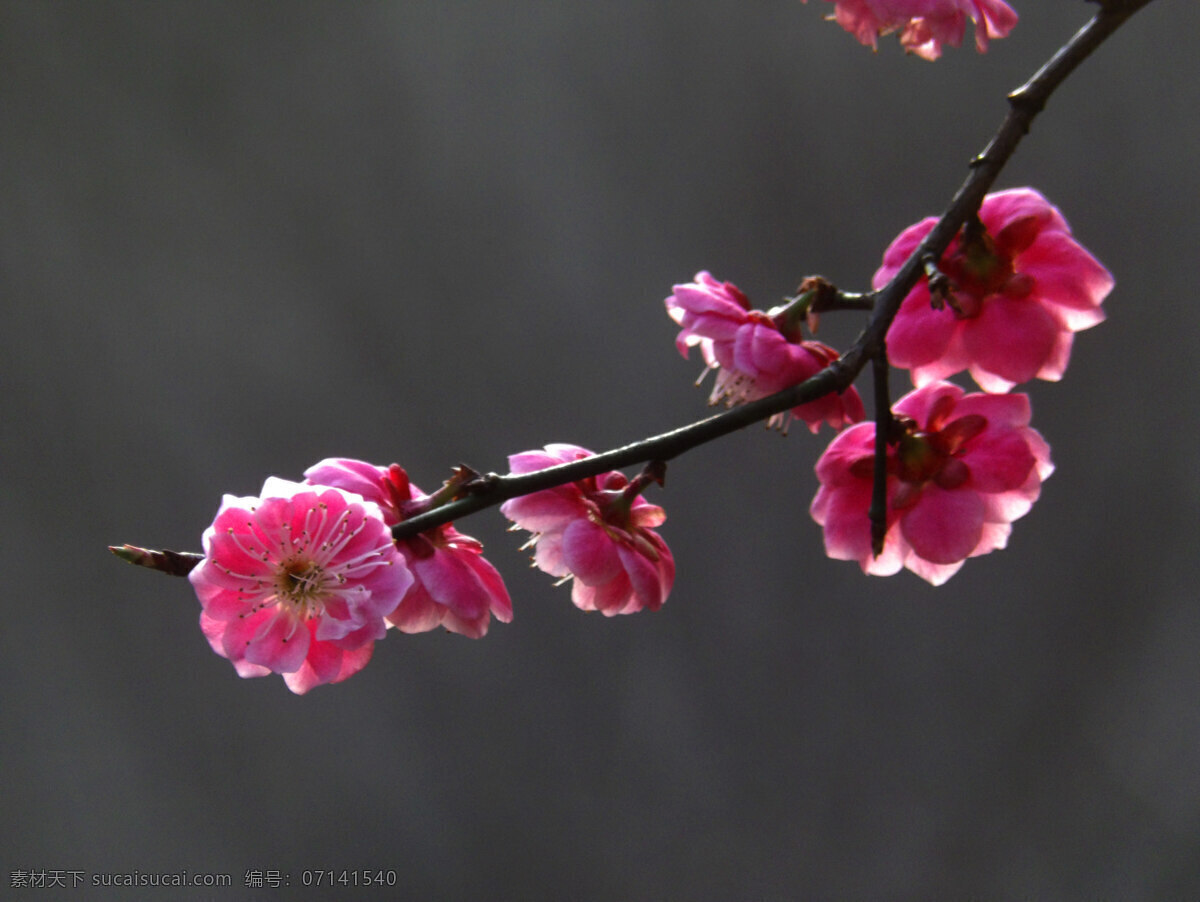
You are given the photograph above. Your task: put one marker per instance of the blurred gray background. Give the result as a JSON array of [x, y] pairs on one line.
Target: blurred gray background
[[237, 238]]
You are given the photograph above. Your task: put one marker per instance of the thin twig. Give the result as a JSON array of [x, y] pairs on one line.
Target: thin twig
[[877, 513]]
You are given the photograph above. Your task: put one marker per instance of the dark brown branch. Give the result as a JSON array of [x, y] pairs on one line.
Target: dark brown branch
[[848, 300], [877, 513], [662, 447]]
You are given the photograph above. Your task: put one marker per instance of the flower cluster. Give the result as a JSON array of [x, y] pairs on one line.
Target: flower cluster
[[925, 25], [961, 468], [302, 579], [1012, 290]]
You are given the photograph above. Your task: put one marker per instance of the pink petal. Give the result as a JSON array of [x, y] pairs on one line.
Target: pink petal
[[281, 646], [387, 586], [994, 537], [1041, 453], [529, 461], [924, 403], [943, 527], [1005, 507], [238, 550], [919, 335], [836, 410], [489, 578], [999, 461], [329, 665], [546, 510], [993, 19], [762, 353], [1011, 338], [451, 582], [547, 554], [891, 559], [843, 514], [583, 596], [351, 475], [934, 574], [608, 598], [990, 382], [901, 249], [589, 553], [1060, 356], [1008, 411], [1068, 277], [215, 631], [417, 613], [646, 515], [473, 628], [833, 468], [646, 579], [369, 632], [925, 36], [1004, 208]]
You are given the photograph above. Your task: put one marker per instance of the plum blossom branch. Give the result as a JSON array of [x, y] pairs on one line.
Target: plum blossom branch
[[482, 491], [1024, 105]]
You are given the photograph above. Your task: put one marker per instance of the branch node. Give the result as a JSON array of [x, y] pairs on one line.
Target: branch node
[[1026, 103], [940, 287], [481, 484]]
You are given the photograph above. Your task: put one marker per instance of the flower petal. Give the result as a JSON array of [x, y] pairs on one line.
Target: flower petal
[[1011, 338], [589, 553], [944, 527]]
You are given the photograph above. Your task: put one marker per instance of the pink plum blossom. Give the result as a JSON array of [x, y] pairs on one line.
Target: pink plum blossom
[[925, 25], [963, 468], [598, 530], [298, 582], [1018, 293], [754, 353], [455, 586]]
